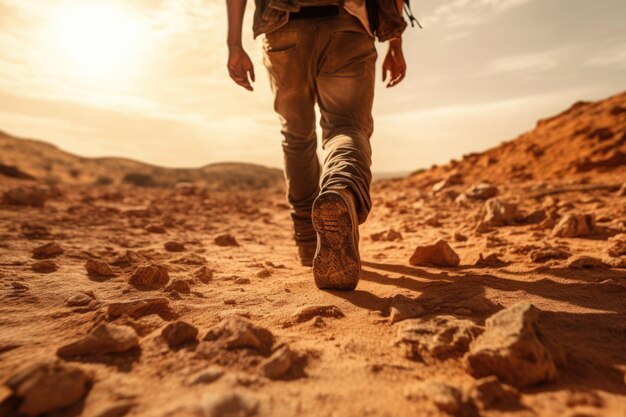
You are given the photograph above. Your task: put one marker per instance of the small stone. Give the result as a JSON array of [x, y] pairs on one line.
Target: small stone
[[279, 364], [574, 226], [174, 247], [226, 240], [48, 386], [137, 308], [318, 322], [387, 236], [482, 191], [236, 333], [242, 281], [150, 277], [460, 237], [233, 312], [548, 253], [490, 261], [78, 300], [441, 337], [403, 308], [179, 333], [49, 250], [204, 274], [179, 285], [98, 268], [500, 213], [617, 246], [229, 404], [104, 338], [156, 229], [489, 393], [45, 267], [207, 376], [264, 273], [584, 262], [445, 397], [307, 313], [438, 254], [512, 348], [25, 196]]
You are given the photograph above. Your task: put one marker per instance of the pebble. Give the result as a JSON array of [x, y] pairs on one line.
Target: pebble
[[242, 281], [49, 250], [226, 240], [500, 213], [98, 268], [438, 254], [153, 276], [204, 274], [179, 285], [548, 253], [174, 247], [79, 300], [279, 364], [308, 312], [584, 262], [179, 333], [137, 308], [45, 267], [574, 225], [236, 333], [403, 308], [482, 191], [48, 386], [447, 398], [104, 338]]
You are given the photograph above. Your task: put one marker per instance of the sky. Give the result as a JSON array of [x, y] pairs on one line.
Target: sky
[[147, 79]]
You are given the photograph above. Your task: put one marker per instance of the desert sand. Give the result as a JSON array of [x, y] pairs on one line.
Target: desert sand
[[494, 285]]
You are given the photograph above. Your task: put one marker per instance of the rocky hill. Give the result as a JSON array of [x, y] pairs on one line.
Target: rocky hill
[[26, 158]]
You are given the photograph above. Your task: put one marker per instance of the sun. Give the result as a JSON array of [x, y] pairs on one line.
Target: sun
[[99, 40]]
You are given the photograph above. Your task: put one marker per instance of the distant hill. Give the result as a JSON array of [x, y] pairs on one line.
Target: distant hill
[[27, 158], [585, 142]]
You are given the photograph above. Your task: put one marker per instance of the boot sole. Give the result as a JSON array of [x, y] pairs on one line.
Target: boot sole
[[337, 264]]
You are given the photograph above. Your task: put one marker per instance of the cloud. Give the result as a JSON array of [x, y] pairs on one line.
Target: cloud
[[463, 13], [610, 57], [524, 63]]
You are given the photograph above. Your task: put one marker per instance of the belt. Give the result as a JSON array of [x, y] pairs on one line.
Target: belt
[[312, 12]]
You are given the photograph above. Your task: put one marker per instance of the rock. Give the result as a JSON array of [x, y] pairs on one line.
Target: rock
[[152, 276], [179, 285], [535, 217], [279, 364], [156, 229], [439, 254], [237, 333], [548, 253], [179, 333], [25, 196], [584, 262], [460, 237], [49, 250], [226, 240], [45, 267], [229, 404], [48, 386], [98, 268], [432, 221], [242, 281], [489, 393], [386, 236], [441, 337], [307, 313], [445, 397], [402, 308], [104, 338], [207, 376], [233, 312], [79, 300], [617, 245], [264, 273], [482, 191], [512, 348], [490, 261], [499, 213], [614, 262], [174, 247], [204, 274], [574, 226], [137, 308]]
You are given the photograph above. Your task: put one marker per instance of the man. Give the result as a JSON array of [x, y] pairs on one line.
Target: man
[[322, 51]]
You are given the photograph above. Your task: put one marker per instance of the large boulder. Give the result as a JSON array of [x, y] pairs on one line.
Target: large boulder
[[512, 348]]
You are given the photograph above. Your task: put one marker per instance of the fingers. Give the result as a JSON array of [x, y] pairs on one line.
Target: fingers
[[240, 76], [396, 79]]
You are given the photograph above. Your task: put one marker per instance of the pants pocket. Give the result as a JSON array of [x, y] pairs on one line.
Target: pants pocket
[[285, 66], [347, 54]]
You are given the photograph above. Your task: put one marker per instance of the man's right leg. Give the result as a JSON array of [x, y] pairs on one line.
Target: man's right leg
[[286, 58]]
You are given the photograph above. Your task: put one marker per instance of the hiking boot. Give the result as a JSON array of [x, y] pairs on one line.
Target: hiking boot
[[337, 264], [306, 253]]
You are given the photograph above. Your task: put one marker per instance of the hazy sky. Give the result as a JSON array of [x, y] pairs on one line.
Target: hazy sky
[[146, 78]]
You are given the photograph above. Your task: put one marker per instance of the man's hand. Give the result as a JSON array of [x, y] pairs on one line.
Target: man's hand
[[394, 63], [240, 67]]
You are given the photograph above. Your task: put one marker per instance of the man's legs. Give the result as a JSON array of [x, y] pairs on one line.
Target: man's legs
[[345, 93], [287, 56]]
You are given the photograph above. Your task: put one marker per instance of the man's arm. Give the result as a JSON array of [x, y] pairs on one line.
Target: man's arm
[[394, 60], [239, 65]]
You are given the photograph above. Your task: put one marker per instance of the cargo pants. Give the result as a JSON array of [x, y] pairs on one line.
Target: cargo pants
[[329, 61]]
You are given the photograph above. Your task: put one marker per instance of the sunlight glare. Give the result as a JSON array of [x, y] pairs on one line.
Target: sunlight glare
[[96, 40]]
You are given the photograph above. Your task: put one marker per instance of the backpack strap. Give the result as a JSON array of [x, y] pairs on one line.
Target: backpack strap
[[407, 9]]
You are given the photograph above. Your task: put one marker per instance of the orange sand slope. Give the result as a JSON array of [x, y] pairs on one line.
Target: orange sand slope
[[492, 286]]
